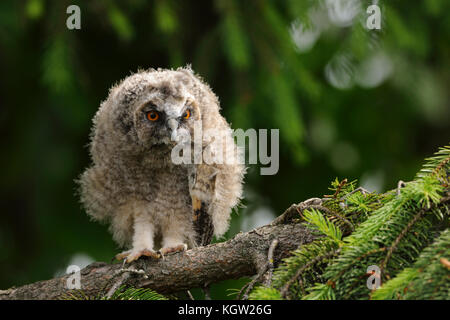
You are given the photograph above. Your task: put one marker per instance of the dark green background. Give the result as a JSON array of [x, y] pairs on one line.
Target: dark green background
[[52, 81]]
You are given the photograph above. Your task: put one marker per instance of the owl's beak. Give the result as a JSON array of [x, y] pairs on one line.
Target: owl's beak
[[173, 126]]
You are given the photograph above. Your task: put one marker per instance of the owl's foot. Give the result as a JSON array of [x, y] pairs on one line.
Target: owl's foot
[[133, 254], [167, 250]]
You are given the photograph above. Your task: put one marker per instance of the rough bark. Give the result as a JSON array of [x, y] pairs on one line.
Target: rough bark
[[244, 255]]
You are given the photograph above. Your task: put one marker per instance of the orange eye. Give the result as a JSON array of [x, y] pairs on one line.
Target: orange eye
[[187, 114], [152, 115]]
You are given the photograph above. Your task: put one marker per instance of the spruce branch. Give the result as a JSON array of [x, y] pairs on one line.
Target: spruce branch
[[407, 228], [284, 291], [427, 278], [402, 234], [332, 214]]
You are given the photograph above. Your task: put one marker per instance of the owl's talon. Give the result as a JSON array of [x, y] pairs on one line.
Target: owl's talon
[[132, 255], [122, 255], [168, 250]]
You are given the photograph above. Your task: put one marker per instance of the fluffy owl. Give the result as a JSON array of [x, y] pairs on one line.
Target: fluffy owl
[[154, 206]]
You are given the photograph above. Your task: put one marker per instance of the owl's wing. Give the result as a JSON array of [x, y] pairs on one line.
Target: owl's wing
[[203, 226], [202, 189]]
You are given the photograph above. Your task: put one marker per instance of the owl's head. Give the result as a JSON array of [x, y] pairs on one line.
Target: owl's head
[[157, 108], [164, 111]]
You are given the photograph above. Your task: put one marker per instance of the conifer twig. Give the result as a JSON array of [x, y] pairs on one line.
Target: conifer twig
[[405, 230], [339, 188], [368, 253], [117, 284], [268, 267], [249, 286], [441, 164], [394, 245], [190, 295], [359, 189], [284, 291], [272, 247], [332, 214], [125, 274]]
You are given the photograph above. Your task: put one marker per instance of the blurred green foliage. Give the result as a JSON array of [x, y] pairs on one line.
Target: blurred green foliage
[[349, 102]]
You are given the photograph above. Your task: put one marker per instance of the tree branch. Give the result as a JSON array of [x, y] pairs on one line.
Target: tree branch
[[235, 258]]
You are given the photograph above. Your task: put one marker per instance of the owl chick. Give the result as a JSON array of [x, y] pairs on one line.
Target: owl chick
[[149, 201]]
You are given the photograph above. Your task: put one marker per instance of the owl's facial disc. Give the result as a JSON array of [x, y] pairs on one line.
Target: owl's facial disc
[[164, 122]]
